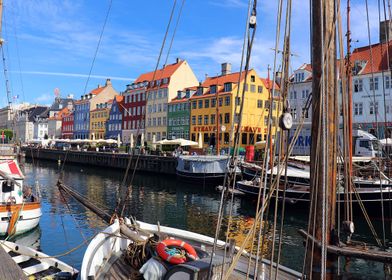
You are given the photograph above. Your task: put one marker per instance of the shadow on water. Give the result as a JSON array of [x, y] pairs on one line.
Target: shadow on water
[[157, 197]]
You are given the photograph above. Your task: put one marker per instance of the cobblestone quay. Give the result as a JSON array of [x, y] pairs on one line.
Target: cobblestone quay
[[145, 163]]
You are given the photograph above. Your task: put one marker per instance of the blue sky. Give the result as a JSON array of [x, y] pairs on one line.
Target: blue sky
[[51, 44]]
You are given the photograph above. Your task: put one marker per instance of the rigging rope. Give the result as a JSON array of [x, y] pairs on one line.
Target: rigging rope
[[98, 45]]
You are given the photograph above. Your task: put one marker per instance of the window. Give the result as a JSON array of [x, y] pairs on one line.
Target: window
[[252, 78], [227, 117], [358, 109], [220, 102], [228, 87], [252, 88], [193, 120], [387, 82], [237, 101], [358, 85], [163, 120], [207, 103], [199, 120], [259, 103], [193, 104], [260, 89], [373, 108], [213, 89], [212, 119], [244, 138], [200, 104], [206, 119], [206, 138], [373, 83], [213, 103], [227, 101]]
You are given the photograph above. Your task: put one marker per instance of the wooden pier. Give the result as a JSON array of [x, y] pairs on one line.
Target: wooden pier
[[9, 269], [145, 163]]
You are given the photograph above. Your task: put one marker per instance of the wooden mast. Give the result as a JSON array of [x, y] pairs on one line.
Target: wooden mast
[[324, 139], [350, 95]]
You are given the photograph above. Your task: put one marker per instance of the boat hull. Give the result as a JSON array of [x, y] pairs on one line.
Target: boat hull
[[29, 217]]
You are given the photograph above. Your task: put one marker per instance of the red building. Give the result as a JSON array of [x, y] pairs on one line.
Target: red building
[[67, 126]]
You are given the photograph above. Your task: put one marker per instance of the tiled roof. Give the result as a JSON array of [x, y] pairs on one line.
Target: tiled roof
[[60, 114], [378, 53], [162, 73], [119, 98], [268, 84], [98, 90]]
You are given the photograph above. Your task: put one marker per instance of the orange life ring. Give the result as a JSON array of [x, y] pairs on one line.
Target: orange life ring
[[162, 246]]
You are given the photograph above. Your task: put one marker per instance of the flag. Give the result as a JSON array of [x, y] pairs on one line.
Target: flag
[[15, 97]]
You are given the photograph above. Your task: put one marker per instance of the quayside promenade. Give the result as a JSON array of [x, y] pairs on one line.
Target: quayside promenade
[[145, 163]]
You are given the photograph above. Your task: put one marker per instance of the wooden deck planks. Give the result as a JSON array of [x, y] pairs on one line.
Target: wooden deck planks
[[9, 269]]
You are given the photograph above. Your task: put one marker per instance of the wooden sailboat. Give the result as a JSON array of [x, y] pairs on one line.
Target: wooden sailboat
[[20, 208]]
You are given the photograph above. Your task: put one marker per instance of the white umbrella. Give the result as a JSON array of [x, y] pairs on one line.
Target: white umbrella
[[142, 140], [154, 146], [182, 142], [131, 140], [200, 141], [118, 140]]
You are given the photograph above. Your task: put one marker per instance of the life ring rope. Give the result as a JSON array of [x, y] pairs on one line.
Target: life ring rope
[[173, 259]]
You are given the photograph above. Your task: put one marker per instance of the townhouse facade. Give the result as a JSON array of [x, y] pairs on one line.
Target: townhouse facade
[[160, 91], [179, 113], [114, 122], [67, 125], [215, 109], [98, 118], [87, 103], [55, 123]]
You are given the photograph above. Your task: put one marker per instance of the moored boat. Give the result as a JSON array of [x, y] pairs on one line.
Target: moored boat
[[207, 169], [107, 255], [37, 265], [20, 208]]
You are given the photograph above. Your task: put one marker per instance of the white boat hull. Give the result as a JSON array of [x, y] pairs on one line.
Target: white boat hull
[[28, 219]]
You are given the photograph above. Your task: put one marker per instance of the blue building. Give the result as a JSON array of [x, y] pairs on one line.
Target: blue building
[[82, 118], [114, 123]]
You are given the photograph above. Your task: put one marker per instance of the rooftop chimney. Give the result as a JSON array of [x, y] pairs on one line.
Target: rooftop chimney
[[226, 68], [108, 82], [178, 60]]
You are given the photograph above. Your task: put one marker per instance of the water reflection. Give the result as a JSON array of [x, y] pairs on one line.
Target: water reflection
[[155, 198]]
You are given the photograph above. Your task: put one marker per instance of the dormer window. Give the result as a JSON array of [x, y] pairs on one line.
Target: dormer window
[[213, 89], [188, 93], [158, 82], [228, 87], [179, 94], [165, 80]]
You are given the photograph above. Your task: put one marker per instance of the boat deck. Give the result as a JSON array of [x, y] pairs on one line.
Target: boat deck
[[120, 269], [9, 269]]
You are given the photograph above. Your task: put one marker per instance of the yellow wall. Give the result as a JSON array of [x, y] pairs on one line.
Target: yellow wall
[[98, 120], [183, 77], [253, 118]]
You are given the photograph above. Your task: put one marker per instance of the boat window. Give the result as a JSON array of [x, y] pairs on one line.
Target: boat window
[[364, 144], [7, 186]]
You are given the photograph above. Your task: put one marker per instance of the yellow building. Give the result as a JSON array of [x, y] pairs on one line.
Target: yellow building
[[98, 118], [222, 90], [167, 81]]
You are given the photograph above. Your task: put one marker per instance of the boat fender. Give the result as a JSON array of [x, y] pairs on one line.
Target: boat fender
[[162, 250]]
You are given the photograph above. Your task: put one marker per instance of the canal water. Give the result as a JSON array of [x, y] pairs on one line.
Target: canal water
[[66, 224]]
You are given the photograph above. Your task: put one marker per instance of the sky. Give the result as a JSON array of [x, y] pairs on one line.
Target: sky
[[50, 45]]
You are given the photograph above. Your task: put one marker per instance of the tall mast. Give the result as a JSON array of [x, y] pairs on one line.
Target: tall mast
[[217, 119], [350, 95], [324, 140]]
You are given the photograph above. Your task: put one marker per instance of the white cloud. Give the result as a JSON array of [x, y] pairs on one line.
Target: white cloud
[[75, 75], [46, 97], [229, 3]]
